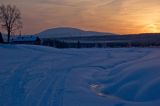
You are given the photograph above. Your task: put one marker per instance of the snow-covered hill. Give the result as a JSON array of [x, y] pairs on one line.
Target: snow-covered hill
[[68, 32], [43, 76]]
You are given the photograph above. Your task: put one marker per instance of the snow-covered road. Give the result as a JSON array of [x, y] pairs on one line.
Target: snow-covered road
[[43, 76]]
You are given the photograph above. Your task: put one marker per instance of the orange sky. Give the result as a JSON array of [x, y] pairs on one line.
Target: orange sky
[[117, 16]]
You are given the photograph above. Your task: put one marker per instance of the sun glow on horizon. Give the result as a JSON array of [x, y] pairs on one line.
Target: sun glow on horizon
[[116, 16], [153, 28]]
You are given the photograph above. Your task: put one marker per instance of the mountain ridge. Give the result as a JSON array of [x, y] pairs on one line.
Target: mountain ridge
[[69, 32]]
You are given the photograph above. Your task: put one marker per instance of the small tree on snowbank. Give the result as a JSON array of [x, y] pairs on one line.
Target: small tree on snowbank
[[10, 19]]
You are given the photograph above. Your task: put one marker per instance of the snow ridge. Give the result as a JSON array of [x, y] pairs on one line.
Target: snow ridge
[[44, 76]]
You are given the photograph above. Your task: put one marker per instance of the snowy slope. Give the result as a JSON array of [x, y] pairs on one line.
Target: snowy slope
[[68, 32], [43, 76]]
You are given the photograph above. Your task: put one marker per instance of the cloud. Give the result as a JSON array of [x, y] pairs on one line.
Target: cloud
[[119, 16]]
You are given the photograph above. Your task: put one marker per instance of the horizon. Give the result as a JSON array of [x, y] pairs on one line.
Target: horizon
[[110, 33], [113, 16]]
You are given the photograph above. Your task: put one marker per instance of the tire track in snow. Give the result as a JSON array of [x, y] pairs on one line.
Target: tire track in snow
[[37, 93], [50, 90], [59, 85], [44, 97], [15, 86], [51, 94], [14, 90]]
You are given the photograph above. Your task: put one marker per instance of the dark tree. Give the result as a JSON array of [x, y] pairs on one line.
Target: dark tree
[[1, 38], [10, 19], [78, 44]]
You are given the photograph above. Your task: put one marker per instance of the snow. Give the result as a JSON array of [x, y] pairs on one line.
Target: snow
[[44, 76], [23, 38], [19, 38]]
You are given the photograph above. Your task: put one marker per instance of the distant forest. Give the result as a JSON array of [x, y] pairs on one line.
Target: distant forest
[[134, 40]]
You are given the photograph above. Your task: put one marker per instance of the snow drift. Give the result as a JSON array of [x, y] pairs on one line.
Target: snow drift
[[43, 76]]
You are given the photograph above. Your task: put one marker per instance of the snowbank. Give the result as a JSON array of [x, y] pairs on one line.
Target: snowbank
[[43, 76]]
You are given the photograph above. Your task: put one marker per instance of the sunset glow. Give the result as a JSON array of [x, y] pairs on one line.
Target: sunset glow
[[116, 16]]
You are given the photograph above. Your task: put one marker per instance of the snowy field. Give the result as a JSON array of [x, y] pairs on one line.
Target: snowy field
[[43, 76]]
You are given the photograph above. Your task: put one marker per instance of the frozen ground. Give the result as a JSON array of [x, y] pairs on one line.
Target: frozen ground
[[43, 76]]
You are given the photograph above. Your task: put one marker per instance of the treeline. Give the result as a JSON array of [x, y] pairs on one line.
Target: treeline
[[105, 44]]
